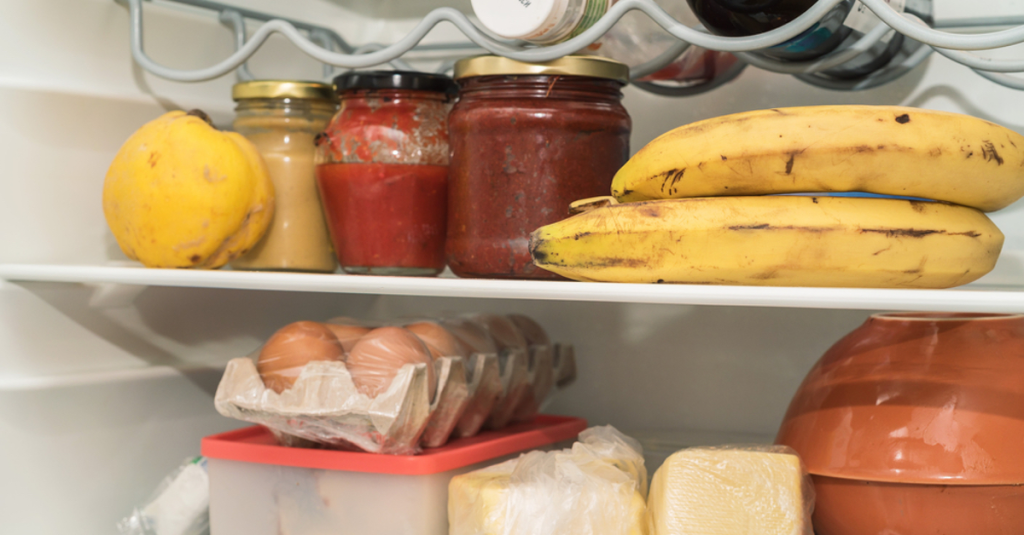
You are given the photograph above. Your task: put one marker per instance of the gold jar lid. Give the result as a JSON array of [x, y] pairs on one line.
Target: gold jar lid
[[282, 89], [592, 66]]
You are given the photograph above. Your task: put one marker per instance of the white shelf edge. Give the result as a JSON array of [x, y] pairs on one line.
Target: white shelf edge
[[100, 377], [958, 300]]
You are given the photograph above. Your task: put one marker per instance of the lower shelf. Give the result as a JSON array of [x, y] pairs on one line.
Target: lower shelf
[[971, 298]]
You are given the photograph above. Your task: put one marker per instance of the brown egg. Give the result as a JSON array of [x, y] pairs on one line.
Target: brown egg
[[531, 330], [504, 332], [474, 337], [286, 353], [347, 334], [377, 357], [440, 342]]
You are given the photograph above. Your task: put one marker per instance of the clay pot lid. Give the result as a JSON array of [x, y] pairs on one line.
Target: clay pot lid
[[916, 398]]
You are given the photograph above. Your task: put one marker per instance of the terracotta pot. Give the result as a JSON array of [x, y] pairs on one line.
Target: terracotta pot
[[849, 507], [916, 398]]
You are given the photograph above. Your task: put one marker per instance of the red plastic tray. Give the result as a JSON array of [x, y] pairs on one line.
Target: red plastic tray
[[257, 445]]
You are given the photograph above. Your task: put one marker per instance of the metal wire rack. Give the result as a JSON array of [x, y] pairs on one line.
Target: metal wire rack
[[326, 46]]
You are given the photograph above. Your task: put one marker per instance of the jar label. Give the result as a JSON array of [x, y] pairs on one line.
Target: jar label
[[592, 13], [863, 20]]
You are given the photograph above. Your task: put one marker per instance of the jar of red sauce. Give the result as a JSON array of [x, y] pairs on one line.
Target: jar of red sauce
[[382, 171], [527, 140]]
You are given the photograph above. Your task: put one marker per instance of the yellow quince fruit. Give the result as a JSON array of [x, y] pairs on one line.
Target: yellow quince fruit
[[181, 194]]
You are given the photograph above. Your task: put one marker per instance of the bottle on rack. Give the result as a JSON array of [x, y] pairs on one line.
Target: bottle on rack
[[846, 23], [635, 39]]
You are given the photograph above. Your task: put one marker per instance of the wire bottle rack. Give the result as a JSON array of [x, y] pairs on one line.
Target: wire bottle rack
[[329, 48]]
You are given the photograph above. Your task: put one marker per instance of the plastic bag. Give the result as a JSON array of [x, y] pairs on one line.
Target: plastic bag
[[502, 329], [287, 352], [595, 488], [745, 490], [440, 341], [179, 506], [378, 355], [541, 372], [484, 376], [348, 330], [325, 407], [513, 359], [473, 336], [369, 397], [452, 400], [565, 365]]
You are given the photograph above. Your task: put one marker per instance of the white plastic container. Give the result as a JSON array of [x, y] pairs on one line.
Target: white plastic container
[[260, 488]]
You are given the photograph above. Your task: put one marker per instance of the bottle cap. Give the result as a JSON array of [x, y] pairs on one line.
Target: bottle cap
[[420, 81], [281, 89], [591, 66], [538, 21]]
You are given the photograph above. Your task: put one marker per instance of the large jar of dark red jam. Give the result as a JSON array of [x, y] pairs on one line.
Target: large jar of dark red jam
[[527, 140], [382, 171]]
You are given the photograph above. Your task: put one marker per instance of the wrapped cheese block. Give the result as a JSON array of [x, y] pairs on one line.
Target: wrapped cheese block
[[758, 490], [595, 488]]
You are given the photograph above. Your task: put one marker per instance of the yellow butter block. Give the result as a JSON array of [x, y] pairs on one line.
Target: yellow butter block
[[728, 492]]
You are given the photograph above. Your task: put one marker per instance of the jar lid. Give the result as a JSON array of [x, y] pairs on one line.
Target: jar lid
[[281, 89], [419, 81], [592, 66], [533, 20]]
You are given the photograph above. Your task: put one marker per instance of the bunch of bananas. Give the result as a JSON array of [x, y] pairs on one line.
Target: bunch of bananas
[[701, 203]]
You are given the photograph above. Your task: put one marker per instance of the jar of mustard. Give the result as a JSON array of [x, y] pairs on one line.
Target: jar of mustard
[[282, 118]]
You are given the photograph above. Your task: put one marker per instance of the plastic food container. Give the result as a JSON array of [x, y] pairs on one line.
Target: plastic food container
[[260, 488]]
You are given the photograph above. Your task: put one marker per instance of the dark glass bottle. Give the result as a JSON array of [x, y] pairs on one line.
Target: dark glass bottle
[[736, 18], [844, 25]]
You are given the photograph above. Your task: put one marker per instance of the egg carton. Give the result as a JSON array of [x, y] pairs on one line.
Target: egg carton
[[324, 409]]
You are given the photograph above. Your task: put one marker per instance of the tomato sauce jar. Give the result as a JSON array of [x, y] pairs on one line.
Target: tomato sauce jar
[[382, 170], [527, 140]]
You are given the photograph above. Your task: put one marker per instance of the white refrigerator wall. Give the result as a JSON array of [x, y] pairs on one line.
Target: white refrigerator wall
[[102, 394]]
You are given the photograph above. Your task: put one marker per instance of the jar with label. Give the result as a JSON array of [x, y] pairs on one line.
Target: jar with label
[[633, 40], [843, 26], [282, 118], [382, 170], [528, 140]]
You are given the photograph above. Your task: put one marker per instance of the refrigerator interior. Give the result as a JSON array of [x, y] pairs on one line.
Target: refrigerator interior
[[105, 388]]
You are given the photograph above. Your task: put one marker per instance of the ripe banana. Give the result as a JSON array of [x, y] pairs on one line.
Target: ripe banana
[[773, 241], [877, 149]]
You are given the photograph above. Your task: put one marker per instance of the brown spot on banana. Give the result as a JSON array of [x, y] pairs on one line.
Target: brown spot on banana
[[903, 119], [988, 151], [901, 232], [969, 234]]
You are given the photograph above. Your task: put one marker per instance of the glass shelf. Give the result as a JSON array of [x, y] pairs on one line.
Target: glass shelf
[[972, 298]]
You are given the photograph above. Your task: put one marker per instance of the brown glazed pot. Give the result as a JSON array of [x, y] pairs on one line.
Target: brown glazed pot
[[850, 507], [916, 408]]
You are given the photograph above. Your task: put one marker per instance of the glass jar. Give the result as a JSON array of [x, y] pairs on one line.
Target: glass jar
[[750, 17], [282, 118], [382, 170], [527, 140], [634, 40]]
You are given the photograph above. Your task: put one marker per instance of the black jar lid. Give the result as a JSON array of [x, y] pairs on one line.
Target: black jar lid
[[419, 81]]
